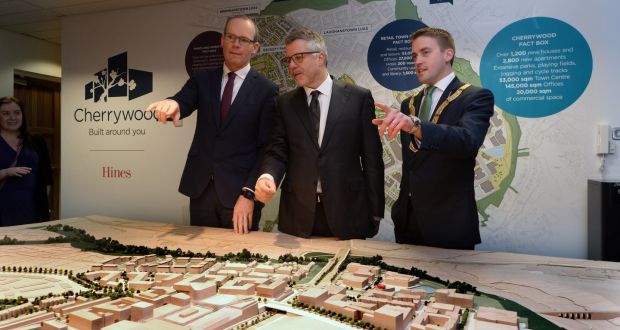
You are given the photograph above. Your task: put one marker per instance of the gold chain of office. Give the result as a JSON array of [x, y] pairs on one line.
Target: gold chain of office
[[437, 114]]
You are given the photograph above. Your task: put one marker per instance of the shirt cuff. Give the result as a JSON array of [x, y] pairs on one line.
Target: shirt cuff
[[266, 176]]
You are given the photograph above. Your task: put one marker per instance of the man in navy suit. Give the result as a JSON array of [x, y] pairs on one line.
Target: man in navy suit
[[324, 141], [235, 107], [443, 125]]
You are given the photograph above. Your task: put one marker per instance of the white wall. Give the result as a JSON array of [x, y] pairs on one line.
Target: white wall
[[155, 39], [27, 54]]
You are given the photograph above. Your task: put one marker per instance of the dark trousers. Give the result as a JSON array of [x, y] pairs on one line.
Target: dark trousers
[[413, 233], [207, 210], [320, 228]]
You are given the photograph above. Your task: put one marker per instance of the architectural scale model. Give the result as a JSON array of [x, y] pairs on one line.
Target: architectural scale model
[[209, 278]]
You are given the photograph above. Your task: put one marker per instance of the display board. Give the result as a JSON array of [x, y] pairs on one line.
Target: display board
[[548, 65]]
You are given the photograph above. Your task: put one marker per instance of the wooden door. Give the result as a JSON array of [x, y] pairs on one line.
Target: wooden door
[[41, 98]]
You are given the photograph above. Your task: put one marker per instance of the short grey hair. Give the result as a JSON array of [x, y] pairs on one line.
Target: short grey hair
[[316, 40], [246, 18]]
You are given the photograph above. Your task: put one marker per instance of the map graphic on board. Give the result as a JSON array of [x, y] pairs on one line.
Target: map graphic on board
[[497, 159], [536, 57]]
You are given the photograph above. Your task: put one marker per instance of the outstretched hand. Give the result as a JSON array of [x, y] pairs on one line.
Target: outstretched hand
[[165, 109], [394, 121]]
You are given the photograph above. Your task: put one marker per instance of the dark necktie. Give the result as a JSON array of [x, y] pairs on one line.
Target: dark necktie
[[315, 112], [227, 95], [425, 108]]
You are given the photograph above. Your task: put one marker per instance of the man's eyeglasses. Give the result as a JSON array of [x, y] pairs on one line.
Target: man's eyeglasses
[[296, 58], [242, 40]]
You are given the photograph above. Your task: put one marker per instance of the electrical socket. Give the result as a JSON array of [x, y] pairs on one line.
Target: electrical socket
[[615, 133]]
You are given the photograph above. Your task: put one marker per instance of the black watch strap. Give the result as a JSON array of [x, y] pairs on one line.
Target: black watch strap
[[249, 194]]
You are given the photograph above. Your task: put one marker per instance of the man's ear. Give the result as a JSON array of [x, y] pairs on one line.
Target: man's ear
[[255, 48], [448, 55], [323, 58]]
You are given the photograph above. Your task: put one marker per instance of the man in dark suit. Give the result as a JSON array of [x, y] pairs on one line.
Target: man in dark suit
[[235, 107], [325, 143], [442, 129]]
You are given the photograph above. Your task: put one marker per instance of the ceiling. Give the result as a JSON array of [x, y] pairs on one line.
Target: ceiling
[[40, 19]]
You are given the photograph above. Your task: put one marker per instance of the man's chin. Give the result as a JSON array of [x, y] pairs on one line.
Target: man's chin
[[234, 58], [300, 82]]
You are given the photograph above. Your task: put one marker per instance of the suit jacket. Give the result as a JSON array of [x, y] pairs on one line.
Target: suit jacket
[[349, 163], [437, 205], [226, 152]]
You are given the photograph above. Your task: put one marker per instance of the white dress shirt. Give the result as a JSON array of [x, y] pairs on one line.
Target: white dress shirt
[[440, 87], [239, 78], [324, 98]]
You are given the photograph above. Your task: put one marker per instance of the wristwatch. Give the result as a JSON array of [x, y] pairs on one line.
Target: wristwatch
[[247, 193], [416, 124]]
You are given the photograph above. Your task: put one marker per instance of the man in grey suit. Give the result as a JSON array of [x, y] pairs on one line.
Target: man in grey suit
[[325, 147]]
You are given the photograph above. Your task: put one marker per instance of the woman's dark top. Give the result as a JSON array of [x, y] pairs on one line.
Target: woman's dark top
[[24, 200]]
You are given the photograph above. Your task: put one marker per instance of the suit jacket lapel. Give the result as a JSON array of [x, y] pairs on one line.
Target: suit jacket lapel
[[300, 106], [417, 103], [242, 95], [340, 94], [215, 100], [452, 87]]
